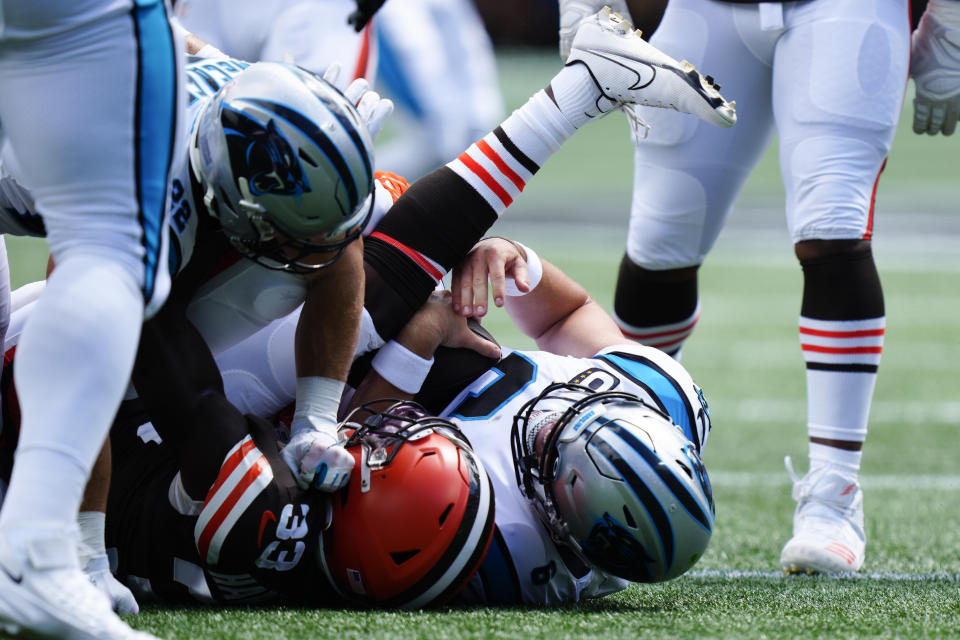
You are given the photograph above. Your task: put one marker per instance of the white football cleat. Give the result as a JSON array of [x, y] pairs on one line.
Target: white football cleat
[[828, 534], [572, 13], [629, 70], [44, 594]]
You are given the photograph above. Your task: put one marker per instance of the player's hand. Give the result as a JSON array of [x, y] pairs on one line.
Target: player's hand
[[437, 322], [492, 260], [121, 598], [317, 460], [373, 108], [935, 69]]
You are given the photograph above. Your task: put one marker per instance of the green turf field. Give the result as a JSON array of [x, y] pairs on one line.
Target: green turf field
[[746, 356]]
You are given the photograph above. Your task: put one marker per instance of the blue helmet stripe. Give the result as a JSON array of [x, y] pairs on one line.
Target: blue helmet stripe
[[656, 511], [676, 487], [337, 110], [319, 138]]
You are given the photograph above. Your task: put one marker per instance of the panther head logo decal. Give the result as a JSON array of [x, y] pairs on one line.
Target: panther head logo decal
[[262, 156], [611, 546]]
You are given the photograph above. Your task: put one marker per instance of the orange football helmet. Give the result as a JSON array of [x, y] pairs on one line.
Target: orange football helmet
[[413, 525]]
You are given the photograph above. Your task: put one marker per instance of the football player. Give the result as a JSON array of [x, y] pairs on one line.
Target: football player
[[259, 183], [246, 192], [89, 101], [592, 444], [216, 516], [828, 76], [407, 256]]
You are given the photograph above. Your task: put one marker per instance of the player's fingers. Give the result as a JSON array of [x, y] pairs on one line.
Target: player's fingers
[[463, 294], [921, 115], [379, 116], [332, 73], [356, 89], [481, 345], [950, 122], [498, 279], [480, 294], [366, 105], [520, 274], [937, 114]]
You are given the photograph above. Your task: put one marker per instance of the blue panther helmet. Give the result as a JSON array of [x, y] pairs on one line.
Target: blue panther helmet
[[286, 165], [615, 480]]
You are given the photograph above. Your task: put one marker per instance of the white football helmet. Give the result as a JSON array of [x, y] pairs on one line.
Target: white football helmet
[[615, 480], [286, 165]]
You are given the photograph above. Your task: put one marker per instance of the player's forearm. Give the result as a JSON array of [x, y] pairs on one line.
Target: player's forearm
[[98, 484], [329, 324], [400, 367], [554, 298]]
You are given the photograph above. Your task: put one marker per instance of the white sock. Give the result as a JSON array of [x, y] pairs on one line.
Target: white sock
[[577, 94], [73, 365], [821, 454], [842, 357], [499, 166]]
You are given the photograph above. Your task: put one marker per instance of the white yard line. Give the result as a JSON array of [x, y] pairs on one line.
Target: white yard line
[[706, 574], [895, 481]]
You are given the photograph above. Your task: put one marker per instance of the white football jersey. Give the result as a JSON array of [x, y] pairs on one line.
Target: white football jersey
[[523, 564], [242, 297]]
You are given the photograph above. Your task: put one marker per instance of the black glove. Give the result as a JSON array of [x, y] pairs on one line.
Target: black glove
[[365, 11]]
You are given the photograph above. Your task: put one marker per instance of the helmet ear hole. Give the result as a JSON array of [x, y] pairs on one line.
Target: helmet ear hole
[[686, 468], [306, 158], [628, 518], [399, 557], [446, 512]]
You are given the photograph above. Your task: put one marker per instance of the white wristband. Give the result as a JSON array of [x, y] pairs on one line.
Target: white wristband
[[401, 367], [317, 397], [92, 525], [534, 272]]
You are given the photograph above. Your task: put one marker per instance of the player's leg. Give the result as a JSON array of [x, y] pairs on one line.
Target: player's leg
[[88, 102], [687, 173], [836, 125], [437, 220]]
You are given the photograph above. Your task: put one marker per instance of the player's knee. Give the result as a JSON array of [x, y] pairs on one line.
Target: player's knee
[[840, 279], [657, 308], [807, 250]]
